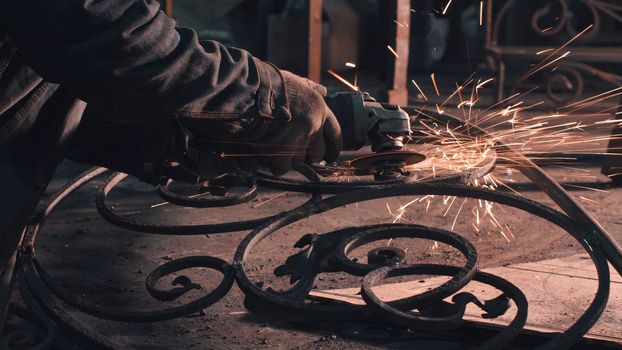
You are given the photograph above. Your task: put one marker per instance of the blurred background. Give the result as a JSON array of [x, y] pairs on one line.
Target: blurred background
[[454, 39]]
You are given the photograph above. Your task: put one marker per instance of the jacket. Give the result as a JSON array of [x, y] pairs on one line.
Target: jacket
[[113, 83]]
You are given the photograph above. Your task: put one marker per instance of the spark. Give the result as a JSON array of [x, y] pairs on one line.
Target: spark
[[192, 196], [420, 91], [590, 201], [481, 13], [534, 71], [435, 86], [401, 210], [544, 51], [587, 188], [594, 97], [510, 231], [465, 103], [609, 121], [453, 225], [447, 7], [350, 64], [450, 205], [457, 91], [393, 51], [480, 85], [347, 83], [505, 236], [530, 73], [539, 136], [475, 227], [269, 200], [439, 110]]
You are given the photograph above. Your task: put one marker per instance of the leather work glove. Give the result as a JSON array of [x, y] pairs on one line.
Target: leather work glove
[[300, 128], [307, 131], [311, 135], [197, 149]]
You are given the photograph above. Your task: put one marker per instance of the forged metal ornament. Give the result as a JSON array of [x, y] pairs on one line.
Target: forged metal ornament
[[566, 82], [51, 305]]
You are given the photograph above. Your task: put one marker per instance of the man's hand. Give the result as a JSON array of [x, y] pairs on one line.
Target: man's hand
[[306, 132], [312, 135]]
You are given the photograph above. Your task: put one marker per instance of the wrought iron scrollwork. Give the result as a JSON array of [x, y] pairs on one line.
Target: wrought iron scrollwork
[[326, 252], [563, 14], [566, 79]]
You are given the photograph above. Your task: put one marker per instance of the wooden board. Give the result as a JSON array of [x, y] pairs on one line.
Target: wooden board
[[558, 292]]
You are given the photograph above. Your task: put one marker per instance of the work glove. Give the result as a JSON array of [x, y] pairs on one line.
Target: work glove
[[309, 133], [192, 150]]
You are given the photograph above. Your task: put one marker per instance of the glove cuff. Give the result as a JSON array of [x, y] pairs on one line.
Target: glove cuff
[[272, 102]]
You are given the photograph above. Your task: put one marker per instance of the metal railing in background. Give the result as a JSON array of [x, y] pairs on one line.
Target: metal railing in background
[[568, 50]]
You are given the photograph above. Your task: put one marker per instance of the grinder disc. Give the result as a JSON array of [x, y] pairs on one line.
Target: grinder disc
[[370, 164]]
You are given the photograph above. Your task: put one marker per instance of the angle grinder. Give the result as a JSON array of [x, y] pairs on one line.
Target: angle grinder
[[386, 127]]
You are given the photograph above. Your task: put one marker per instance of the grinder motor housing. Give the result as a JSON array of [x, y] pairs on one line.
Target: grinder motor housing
[[364, 121]]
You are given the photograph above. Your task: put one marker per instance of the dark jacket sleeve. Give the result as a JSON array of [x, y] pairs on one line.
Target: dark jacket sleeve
[[104, 49]]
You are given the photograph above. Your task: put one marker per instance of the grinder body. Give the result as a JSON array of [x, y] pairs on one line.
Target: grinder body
[[365, 121], [385, 127]]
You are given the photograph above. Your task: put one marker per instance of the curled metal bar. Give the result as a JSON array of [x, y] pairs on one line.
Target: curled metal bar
[[152, 315], [457, 282], [326, 253], [219, 187], [299, 307], [140, 226], [405, 319]]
